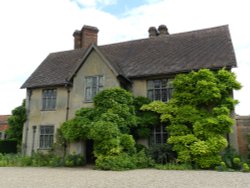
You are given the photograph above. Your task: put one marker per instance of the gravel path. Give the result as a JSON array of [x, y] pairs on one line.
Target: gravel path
[[15, 177]]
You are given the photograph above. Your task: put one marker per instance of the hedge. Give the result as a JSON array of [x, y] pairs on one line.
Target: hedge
[[8, 146]]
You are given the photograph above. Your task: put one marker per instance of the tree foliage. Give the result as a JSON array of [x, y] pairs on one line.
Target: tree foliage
[[198, 115], [109, 124], [16, 122]]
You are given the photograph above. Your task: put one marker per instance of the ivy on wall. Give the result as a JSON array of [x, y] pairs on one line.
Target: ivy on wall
[[198, 115], [109, 124]]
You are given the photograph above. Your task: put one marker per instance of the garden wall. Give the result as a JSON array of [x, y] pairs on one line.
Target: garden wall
[[243, 129]]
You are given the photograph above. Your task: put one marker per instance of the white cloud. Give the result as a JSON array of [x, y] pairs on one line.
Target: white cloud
[[30, 30], [94, 3]]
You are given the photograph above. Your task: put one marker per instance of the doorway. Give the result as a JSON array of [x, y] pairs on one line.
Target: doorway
[[90, 158]]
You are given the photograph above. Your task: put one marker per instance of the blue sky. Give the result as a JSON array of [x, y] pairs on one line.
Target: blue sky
[[114, 7], [30, 30]]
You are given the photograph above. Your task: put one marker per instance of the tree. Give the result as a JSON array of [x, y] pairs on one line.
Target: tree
[[198, 115], [16, 121]]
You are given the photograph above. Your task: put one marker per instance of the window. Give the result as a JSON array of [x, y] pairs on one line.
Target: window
[[160, 89], [46, 136], [49, 99], [158, 135], [94, 84]]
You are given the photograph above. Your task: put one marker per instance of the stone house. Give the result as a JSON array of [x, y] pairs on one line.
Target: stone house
[[67, 81], [3, 126]]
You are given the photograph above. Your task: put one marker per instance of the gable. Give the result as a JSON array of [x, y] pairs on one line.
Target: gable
[[93, 65]]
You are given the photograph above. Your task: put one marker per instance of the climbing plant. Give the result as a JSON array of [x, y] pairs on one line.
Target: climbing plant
[[198, 115], [108, 124]]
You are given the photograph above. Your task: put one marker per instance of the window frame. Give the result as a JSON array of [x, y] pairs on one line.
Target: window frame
[[159, 135], [49, 99], [160, 89], [46, 140], [93, 85]]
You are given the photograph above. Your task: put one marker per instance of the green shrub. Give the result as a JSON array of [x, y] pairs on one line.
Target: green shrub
[[119, 162], [228, 155], [124, 161], [245, 167], [74, 160], [8, 146], [162, 153], [221, 167], [40, 159]]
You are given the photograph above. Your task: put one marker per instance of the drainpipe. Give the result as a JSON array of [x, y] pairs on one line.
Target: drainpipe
[[26, 125], [68, 98]]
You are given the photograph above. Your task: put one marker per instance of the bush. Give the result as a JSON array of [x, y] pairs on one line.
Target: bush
[[124, 161], [74, 160], [40, 159], [8, 146], [118, 162], [228, 156], [162, 153], [245, 167]]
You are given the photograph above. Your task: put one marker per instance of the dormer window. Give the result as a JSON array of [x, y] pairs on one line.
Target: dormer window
[[49, 99], [93, 84]]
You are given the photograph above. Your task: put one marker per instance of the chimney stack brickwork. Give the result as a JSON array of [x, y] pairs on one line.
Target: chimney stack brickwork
[[153, 32], [86, 37], [162, 31]]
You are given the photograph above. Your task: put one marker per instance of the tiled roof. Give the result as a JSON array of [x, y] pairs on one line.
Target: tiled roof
[[3, 128], [4, 122], [55, 69], [208, 48]]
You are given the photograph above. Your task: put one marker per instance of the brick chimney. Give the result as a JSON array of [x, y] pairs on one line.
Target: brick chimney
[[86, 37]]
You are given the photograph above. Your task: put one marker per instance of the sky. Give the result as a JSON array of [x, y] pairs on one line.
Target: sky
[[31, 29]]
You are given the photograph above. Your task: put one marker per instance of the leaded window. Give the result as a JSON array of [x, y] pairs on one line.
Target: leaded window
[[46, 136], [94, 84], [160, 89], [49, 99], [158, 135]]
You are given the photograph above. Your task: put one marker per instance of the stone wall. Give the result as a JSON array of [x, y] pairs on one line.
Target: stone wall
[[243, 129]]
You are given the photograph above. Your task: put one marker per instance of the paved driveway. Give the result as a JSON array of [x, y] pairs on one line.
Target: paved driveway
[[12, 177]]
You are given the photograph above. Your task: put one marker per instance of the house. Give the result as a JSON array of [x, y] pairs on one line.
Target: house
[[3, 126], [67, 81]]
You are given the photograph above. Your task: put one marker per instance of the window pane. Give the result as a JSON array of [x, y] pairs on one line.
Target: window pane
[[88, 93], [94, 84], [94, 81], [46, 136], [159, 135], [150, 94], [164, 95], [49, 99], [164, 83], [157, 84], [160, 89], [157, 94], [150, 84]]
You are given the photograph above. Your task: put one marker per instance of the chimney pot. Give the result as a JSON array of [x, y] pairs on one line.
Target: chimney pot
[[153, 32], [163, 30]]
